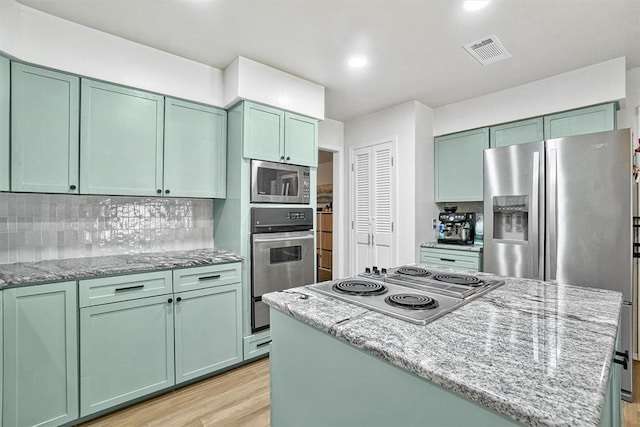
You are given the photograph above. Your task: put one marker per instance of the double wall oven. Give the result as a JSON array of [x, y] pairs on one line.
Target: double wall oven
[[282, 253]]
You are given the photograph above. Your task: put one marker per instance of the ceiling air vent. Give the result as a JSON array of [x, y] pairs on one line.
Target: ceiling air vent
[[487, 50]]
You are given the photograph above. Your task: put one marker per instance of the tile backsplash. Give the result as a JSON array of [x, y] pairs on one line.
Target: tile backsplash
[[36, 227]]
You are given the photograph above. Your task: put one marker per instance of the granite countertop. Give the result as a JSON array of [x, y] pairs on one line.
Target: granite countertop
[[471, 248], [80, 268], [535, 352]]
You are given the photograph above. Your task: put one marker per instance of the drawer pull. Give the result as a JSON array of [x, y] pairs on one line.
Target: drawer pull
[[262, 344], [130, 288], [447, 259], [215, 276]]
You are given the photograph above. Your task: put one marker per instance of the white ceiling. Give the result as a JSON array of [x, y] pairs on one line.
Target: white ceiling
[[414, 46]]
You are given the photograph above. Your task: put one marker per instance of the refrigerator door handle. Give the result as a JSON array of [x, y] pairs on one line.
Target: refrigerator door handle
[[535, 218], [553, 214]]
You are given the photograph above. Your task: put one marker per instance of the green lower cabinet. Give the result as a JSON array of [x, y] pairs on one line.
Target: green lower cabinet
[[40, 365], [126, 351], [459, 166], [454, 258], [598, 118], [5, 89], [208, 330], [519, 132]]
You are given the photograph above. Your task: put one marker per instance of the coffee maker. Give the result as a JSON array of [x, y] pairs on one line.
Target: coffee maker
[[456, 228]]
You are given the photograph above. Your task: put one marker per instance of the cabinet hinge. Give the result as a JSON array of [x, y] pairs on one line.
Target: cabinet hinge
[[391, 160], [352, 224], [392, 227], [352, 167]]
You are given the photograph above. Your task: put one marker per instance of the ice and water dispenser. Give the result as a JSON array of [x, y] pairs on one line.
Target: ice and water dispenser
[[511, 218]]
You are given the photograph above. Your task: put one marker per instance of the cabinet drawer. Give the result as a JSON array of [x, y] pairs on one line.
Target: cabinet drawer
[[123, 288], [450, 262], [257, 345], [451, 258], [206, 277]]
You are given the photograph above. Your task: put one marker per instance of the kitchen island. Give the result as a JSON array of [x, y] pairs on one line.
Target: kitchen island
[[527, 353]]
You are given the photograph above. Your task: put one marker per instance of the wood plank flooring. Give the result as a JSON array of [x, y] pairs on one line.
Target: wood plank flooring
[[237, 398], [240, 398]]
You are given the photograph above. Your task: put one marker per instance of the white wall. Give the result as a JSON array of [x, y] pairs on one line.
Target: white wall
[[331, 138], [425, 207], [247, 79], [43, 39], [628, 113], [595, 84], [403, 123]]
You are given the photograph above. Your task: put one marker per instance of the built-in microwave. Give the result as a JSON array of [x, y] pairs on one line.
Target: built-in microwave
[[279, 183]]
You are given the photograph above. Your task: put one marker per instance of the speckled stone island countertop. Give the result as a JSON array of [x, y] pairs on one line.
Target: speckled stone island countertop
[[471, 248], [79, 268], [535, 352]]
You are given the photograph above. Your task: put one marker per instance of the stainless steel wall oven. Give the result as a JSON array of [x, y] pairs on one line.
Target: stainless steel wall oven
[[282, 255]]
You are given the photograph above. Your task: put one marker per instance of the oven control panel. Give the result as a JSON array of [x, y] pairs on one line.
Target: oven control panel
[[293, 215]]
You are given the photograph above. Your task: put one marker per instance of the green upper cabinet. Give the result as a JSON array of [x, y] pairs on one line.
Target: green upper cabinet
[[44, 130], [519, 132], [277, 136], [301, 140], [195, 150], [5, 89], [459, 164], [121, 140], [40, 366], [263, 132], [598, 118]]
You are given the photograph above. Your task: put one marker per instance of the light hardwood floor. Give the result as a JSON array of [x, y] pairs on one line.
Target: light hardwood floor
[[237, 398], [240, 398]]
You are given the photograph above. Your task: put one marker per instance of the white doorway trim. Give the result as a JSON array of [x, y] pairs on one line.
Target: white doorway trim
[[339, 210]]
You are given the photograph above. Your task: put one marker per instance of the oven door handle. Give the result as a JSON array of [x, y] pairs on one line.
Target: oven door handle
[[282, 239]]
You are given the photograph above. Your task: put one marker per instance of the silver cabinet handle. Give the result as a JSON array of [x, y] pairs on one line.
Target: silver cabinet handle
[[281, 239]]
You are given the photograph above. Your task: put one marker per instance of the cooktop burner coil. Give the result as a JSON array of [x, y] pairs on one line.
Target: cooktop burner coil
[[412, 301], [458, 279], [360, 287], [413, 271]]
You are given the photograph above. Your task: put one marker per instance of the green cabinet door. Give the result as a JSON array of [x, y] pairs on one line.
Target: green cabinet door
[[40, 355], [121, 139], [459, 164], [208, 330], [263, 133], [598, 118], [519, 132], [44, 130], [301, 140], [5, 88], [195, 150], [126, 351]]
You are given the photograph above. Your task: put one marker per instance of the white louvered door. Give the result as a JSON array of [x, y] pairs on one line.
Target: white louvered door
[[372, 210], [362, 209]]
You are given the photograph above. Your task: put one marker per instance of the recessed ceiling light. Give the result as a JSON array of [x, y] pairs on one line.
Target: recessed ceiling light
[[357, 61], [473, 5]]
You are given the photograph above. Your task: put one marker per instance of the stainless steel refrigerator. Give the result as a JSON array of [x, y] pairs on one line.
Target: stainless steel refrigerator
[[561, 210]]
